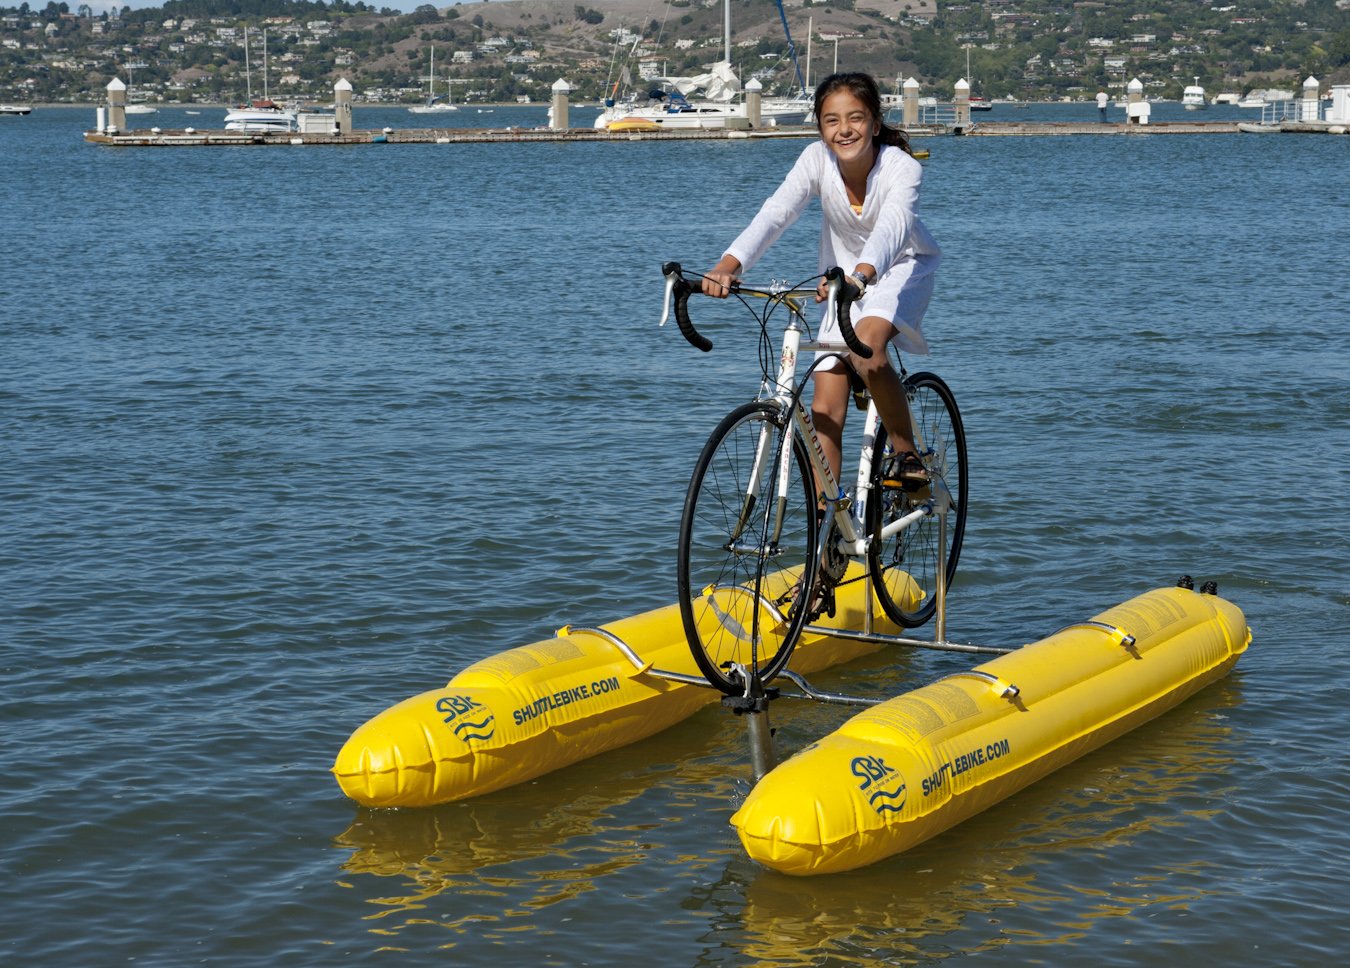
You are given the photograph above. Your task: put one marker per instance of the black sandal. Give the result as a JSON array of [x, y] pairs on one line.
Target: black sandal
[[904, 471]]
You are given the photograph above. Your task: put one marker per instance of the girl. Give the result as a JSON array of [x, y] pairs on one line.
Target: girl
[[868, 183]]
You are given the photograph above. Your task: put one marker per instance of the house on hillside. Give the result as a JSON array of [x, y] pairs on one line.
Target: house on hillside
[[899, 9]]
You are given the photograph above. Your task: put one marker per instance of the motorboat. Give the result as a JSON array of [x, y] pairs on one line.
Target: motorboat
[[1193, 97], [1259, 98], [434, 104], [671, 109], [263, 114], [140, 109], [15, 109]]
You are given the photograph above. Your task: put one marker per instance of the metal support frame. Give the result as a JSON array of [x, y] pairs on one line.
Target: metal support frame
[[754, 704], [939, 642], [628, 653], [756, 708]]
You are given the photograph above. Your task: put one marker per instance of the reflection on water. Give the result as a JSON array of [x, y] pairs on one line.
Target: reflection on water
[[549, 841], [493, 865], [980, 885]]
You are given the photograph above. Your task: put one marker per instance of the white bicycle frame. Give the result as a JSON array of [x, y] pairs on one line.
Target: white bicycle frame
[[848, 513]]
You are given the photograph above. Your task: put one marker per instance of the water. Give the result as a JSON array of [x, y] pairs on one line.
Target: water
[[292, 434]]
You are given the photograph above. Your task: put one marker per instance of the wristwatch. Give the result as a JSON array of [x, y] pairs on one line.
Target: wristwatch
[[862, 280]]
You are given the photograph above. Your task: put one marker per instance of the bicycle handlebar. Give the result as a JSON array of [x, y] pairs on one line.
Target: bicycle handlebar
[[845, 294], [680, 288], [842, 293]]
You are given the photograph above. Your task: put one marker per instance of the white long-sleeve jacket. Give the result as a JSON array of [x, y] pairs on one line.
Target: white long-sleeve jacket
[[887, 234]]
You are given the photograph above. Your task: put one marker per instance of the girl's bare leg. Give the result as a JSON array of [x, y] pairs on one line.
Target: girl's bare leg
[[884, 383], [829, 407]]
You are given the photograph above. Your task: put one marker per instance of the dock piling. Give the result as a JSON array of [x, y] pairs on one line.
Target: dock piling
[[117, 106], [342, 106], [961, 103], [1311, 107], [557, 111], [909, 103], [1136, 108]]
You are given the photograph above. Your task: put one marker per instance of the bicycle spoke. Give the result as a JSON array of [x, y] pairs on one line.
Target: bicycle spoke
[[741, 550]]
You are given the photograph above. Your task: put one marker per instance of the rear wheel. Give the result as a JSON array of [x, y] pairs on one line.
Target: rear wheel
[[904, 566], [744, 544]]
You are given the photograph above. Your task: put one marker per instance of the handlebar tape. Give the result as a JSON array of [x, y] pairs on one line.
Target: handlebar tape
[[681, 292], [845, 297]]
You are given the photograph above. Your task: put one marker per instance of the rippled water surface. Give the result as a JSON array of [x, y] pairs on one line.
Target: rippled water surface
[[288, 435]]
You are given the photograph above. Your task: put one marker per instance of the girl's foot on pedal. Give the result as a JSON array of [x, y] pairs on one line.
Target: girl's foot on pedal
[[904, 471]]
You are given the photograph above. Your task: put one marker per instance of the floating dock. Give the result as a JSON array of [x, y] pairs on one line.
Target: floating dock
[[422, 136], [428, 136]]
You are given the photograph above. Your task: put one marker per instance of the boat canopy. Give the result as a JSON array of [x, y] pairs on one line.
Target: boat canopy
[[720, 83]]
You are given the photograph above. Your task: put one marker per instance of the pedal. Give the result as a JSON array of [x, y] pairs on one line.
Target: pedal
[[917, 492]]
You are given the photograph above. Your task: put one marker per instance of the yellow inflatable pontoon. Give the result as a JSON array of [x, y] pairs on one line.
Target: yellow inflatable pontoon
[[540, 707], [909, 768]]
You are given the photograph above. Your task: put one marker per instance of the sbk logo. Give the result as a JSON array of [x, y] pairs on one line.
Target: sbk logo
[[883, 786], [467, 719]]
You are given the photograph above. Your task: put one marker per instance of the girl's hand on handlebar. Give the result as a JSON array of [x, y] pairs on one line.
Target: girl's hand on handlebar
[[718, 280], [851, 288]]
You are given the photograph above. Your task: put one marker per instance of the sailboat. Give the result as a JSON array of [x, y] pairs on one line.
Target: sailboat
[[434, 104], [977, 103], [137, 108], [263, 114], [671, 105]]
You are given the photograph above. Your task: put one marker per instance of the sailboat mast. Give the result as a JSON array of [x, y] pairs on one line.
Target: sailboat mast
[[248, 72], [792, 48], [726, 26], [265, 97], [809, 23]]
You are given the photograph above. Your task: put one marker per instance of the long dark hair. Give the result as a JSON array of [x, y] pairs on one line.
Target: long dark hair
[[864, 88]]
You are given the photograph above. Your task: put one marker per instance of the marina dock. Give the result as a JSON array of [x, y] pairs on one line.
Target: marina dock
[[424, 136], [156, 137]]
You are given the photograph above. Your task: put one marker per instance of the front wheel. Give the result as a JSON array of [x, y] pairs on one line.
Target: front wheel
[[904, 565], [747, 547]]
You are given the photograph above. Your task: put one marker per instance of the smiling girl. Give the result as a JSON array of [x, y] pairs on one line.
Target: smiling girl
[[868, 183]]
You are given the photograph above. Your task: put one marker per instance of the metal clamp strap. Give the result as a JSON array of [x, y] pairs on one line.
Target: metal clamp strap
[[1122, 638], [1002, 688]]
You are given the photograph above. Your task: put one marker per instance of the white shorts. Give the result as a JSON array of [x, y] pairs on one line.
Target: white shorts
[[900, 295]]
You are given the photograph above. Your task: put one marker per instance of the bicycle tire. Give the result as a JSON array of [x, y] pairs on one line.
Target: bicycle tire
[[740, 555], [914, 550]]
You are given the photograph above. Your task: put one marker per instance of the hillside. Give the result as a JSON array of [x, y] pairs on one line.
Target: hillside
[[193, 50]]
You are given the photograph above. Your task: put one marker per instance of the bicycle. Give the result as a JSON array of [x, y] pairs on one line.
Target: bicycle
[[752, 540]]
